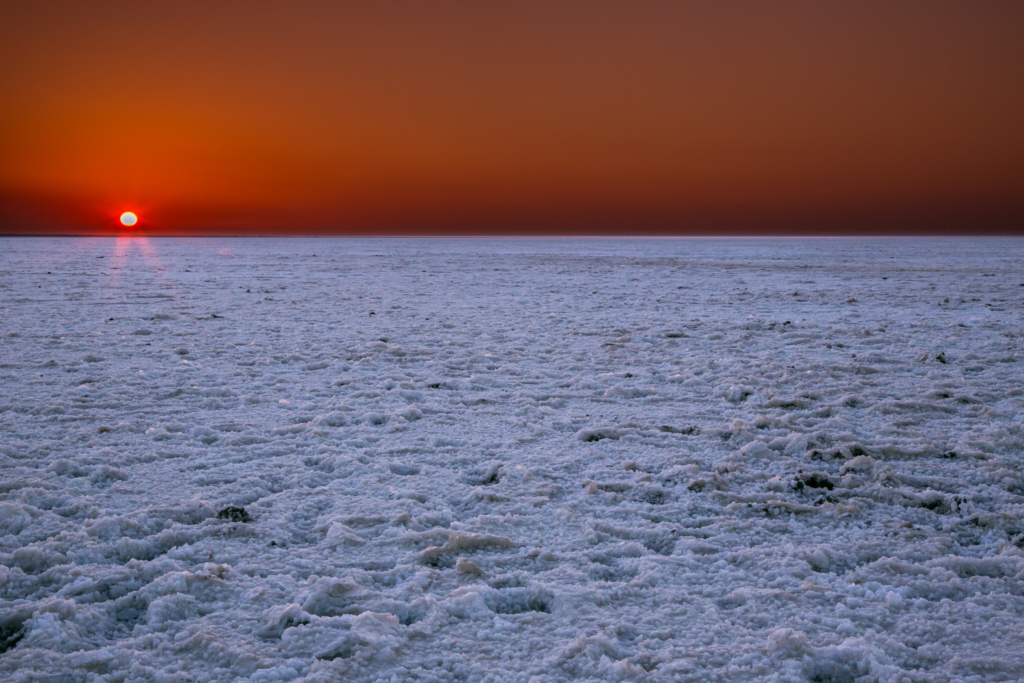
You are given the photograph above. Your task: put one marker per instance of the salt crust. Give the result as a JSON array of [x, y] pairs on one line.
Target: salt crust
[[511, 460]]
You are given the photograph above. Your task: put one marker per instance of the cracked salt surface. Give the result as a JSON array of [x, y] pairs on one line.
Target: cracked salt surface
[[511, 460]]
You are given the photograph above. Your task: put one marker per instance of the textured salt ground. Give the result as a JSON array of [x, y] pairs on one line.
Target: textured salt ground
[[488, 460]]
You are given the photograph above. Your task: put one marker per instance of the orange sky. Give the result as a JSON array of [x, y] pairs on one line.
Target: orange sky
[[538, 117]]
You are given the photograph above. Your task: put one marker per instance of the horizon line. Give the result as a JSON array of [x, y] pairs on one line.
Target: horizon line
[[921, 235]]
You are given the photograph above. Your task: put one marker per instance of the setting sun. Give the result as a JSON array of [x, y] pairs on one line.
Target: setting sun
[[128, 218]]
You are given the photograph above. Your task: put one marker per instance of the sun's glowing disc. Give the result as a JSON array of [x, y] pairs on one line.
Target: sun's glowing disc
[[129, 218]]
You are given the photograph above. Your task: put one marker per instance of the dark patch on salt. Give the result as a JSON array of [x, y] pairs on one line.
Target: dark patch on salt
[[817, 480], [518, 601], [12, 630], [234, 514], [676, 430]]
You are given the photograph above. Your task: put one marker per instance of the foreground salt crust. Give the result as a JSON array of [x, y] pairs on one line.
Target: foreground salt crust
[[486, 460]]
